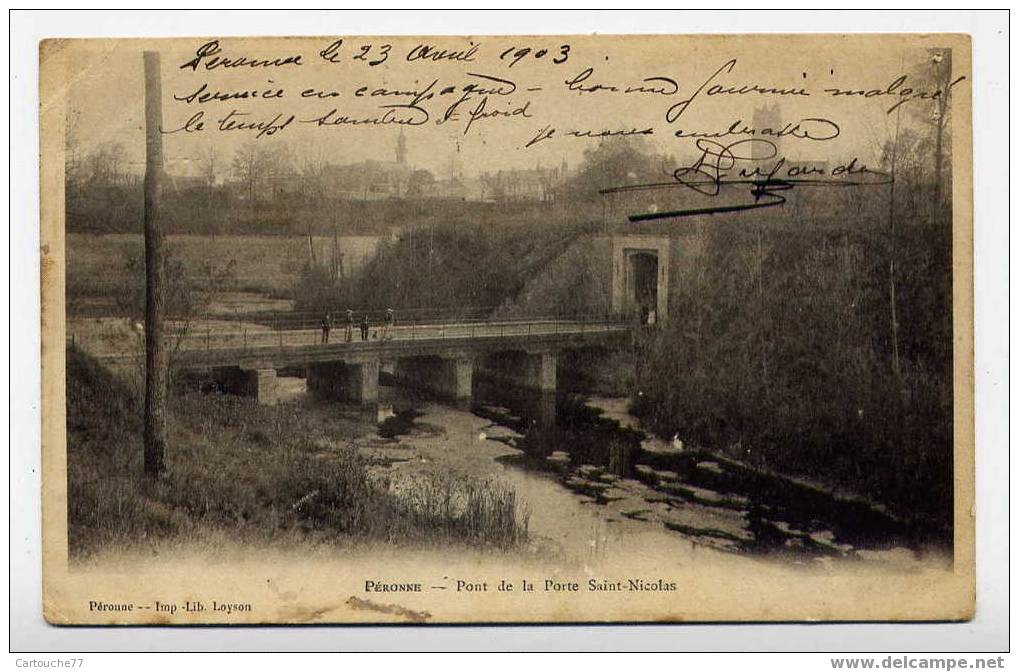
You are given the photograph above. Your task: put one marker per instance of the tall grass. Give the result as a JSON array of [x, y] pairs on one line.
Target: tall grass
[[481, 512]]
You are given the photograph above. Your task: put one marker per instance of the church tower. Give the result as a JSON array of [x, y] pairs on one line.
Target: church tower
[[401, 148], [767, 122], [456, 169]]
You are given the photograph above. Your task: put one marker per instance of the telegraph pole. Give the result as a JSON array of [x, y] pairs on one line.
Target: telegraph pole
[[155, 351], [891, 257]]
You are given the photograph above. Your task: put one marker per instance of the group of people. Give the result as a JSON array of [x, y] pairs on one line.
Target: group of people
[[387, 326]]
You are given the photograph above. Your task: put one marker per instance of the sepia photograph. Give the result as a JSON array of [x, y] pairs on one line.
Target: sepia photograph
[[507, 329]]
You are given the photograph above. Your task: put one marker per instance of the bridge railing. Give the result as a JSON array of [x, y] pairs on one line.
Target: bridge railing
[[313, 319], [290, 331], [297, 333]]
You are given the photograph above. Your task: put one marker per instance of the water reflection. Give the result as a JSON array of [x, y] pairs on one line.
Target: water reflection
[[699, 494], [607, 459], [523, 410]]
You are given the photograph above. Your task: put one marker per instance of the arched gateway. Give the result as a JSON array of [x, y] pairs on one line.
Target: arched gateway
[[640, 275]]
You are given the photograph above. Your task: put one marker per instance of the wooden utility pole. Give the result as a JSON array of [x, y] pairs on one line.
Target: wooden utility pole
[[336, 255], [891, 256], [155, 351]]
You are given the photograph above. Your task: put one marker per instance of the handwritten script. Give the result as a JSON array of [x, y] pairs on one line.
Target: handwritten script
[[768, 122]]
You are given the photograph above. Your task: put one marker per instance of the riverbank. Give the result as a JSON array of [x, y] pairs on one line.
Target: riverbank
[[306, 473], [255, 474]]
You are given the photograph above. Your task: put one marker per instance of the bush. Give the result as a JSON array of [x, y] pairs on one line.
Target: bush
[[780, 353]]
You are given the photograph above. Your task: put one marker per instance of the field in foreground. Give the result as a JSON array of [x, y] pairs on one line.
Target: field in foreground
[[257, 474], [105, 270]]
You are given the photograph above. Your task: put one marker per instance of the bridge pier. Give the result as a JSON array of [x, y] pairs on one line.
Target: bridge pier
[[362, 381], [529, 370], [462, 377], [259, 383], [449, 377], [348, 381], [542, 369], [262, 386]]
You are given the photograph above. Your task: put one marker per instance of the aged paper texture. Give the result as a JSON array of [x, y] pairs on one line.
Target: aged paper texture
[[502, 329]]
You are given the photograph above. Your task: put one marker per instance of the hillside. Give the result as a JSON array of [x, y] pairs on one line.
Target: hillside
[[250, 473]]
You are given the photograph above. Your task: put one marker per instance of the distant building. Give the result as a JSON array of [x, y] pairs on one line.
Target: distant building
[[537, 184], [401, 148], [767, 122], [460, 189], [801, 152], [367, 180], [375, 179], [371, 179]]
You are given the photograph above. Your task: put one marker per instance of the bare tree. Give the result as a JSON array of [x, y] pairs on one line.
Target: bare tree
[[261, 169], [923, 150], [72, 147], [208, 162], [312, 170], [941, 66], [249, 169], [106, 164], [188, 291]]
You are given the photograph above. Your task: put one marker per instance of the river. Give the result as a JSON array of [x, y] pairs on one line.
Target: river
[[596, 486]]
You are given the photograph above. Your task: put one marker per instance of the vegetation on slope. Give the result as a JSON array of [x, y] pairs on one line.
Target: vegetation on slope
[[253, 473]]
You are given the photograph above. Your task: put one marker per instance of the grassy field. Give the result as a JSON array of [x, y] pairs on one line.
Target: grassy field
[[255, 474], [103, 267]]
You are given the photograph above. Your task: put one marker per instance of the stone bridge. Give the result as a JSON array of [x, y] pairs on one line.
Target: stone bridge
[[440, 358]]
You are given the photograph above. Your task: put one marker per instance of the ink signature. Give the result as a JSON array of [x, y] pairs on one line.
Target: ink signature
[[753, 163]]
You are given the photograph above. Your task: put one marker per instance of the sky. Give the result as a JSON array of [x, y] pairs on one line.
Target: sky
[[106, 90]]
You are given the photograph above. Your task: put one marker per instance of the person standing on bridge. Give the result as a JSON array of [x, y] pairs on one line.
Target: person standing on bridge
[[364, 327], [327, 321], [350, 325], [387, 328]]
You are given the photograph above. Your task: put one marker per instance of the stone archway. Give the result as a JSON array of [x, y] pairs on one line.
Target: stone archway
[[642, 281]]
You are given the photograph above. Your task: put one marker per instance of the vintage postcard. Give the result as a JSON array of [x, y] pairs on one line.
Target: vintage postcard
[[507, 329]]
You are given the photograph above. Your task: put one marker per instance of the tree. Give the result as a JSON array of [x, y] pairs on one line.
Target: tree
[[105, 166], [924, 147], [73, 161], [935, 74], [207, 164], [420, 183], [312, 170], [915, 158], [248, 170], [188, 291], [617, 161], [260, 170]]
